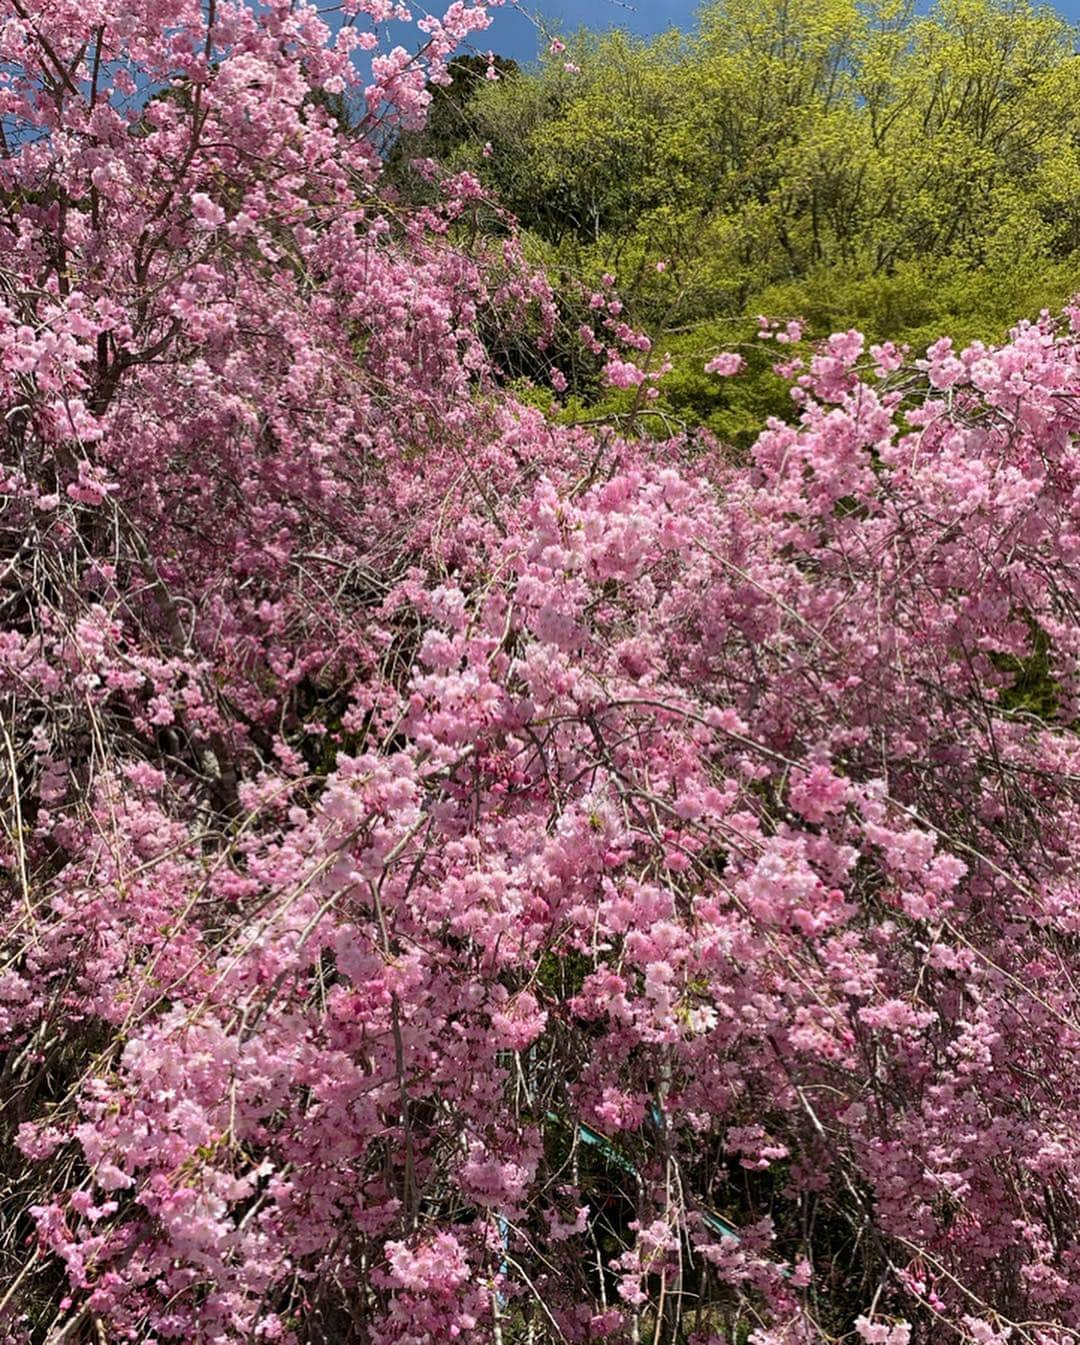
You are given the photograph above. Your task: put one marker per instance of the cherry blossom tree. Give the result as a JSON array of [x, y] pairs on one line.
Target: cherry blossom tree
[[468, 878]]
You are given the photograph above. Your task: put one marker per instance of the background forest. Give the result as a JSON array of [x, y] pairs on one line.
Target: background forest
[[864, 165]]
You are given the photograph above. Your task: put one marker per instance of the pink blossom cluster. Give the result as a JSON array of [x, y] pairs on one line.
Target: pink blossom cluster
[[467, 878]]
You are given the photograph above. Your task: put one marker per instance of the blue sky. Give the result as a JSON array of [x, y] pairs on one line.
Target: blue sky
[[512, 34]]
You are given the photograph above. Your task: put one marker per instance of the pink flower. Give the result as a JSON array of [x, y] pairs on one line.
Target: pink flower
[[622, 373], [207, 214], [725, 364]]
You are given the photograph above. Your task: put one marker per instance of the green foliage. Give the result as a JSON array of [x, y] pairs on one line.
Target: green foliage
[[448, 126], [1033, 690], [853, 163]]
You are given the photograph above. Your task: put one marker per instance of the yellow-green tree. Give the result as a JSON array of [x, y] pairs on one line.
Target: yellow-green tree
[[854, 163]]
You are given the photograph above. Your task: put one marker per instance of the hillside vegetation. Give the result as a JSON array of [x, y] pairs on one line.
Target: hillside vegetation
[[855, 164]]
